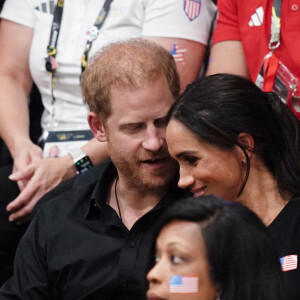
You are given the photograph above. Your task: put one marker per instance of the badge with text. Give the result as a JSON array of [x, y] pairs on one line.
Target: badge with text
[[192, 8], [274, 76], [58, 143]]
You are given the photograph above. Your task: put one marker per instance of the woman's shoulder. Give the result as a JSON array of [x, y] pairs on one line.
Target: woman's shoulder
[[287, 223], [293, 205], [290, 212]]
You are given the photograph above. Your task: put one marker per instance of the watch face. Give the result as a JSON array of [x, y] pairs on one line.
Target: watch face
[[83, 164]]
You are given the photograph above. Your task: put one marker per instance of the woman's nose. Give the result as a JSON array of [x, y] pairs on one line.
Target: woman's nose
[[185, 180], [154, 275]]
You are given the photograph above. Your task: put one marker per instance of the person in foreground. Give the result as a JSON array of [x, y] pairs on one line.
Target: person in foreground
[[93, 240], [208, 249], [241, 144]]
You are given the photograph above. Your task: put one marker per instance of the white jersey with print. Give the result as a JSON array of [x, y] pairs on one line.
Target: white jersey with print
[[126, 19]]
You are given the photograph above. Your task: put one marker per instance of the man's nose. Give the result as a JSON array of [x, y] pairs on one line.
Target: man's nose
[[153, 139]]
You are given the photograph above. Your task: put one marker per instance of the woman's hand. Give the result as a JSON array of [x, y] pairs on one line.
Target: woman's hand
[[26, 154], [40, 176]]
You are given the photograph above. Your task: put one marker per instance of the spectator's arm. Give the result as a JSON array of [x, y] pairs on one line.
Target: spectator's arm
[[15, 84], [228, 57], [34, 175], [182, 32], [190, 64]]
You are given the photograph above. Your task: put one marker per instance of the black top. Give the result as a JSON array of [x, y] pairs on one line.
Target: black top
[[77, 248], [286, 233]]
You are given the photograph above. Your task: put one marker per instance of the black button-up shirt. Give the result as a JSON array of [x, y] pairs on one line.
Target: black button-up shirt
[[77, 247]]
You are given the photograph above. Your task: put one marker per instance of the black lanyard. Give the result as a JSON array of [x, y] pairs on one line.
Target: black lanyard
[[55, 28], [51, 64], [275, 25], [94, 31]]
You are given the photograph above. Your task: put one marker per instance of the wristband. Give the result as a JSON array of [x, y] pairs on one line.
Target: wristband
[[81, 161]]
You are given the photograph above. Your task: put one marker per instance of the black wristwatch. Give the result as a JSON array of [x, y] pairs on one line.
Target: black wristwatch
[[81, 161]]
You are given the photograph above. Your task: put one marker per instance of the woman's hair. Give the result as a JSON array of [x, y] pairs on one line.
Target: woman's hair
[[244, 264], [219, 107]]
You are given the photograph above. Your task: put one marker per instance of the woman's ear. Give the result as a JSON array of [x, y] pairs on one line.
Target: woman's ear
[[247, 141], [97, 127]]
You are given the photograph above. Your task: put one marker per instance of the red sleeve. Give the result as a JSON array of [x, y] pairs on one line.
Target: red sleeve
[[227, 27]]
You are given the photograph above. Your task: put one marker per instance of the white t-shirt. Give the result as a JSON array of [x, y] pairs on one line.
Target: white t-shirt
[[126, 19]]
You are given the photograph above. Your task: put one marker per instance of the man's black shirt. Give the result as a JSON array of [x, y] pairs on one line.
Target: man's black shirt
[[77, 247]]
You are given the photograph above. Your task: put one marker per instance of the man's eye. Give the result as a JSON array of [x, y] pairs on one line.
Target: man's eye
[[132, 127], [176, 259], [161, 122]]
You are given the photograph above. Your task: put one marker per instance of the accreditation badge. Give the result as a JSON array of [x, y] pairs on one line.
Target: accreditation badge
[[58, 143], [274, 76]]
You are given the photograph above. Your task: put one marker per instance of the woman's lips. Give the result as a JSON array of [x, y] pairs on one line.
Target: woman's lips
[[199, 192]]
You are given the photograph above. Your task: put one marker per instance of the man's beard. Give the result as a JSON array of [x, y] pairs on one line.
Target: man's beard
[[134, 170]]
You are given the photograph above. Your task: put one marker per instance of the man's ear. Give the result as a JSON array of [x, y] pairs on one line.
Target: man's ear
[[247, 141], [97, 127]]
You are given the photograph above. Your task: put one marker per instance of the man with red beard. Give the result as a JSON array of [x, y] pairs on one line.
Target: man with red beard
[[92, 241]]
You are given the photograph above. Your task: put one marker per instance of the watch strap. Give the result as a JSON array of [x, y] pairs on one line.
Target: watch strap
[[81, 161]]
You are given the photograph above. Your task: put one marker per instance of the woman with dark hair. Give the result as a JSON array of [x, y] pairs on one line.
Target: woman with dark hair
[[232, 140], [223, 245]]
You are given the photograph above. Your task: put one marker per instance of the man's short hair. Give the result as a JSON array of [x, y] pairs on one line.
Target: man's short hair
[[131, 64]]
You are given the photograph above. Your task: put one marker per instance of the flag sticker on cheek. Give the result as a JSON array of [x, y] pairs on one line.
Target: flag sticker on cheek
[[183, 285], [177, 53], [192, 8]]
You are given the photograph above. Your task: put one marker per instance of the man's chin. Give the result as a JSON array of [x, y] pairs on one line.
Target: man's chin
[[151, 180], [144, 175], [155, 183]]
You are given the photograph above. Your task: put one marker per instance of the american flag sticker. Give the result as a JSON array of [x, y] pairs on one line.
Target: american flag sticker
[[289, 262], [192, 8], [183, 285], [177, 53]]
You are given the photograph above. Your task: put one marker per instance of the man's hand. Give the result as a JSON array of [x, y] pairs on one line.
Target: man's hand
[[40, 176]]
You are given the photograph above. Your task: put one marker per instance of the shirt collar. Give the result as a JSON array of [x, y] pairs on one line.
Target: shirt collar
[[86, 189], [99, 195]]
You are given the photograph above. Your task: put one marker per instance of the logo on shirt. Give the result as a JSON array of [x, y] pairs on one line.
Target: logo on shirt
[[177, 53], [289, 262], [257, 18], [192, 8], [46, 7]]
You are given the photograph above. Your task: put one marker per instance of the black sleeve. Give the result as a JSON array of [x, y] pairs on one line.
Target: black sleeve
[[30, 280]]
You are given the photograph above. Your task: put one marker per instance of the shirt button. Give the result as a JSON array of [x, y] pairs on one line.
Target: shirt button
[[131, 244], [124, 284], [294, 7]]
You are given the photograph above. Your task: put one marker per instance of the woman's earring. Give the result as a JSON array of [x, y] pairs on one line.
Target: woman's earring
[[244, 161]]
